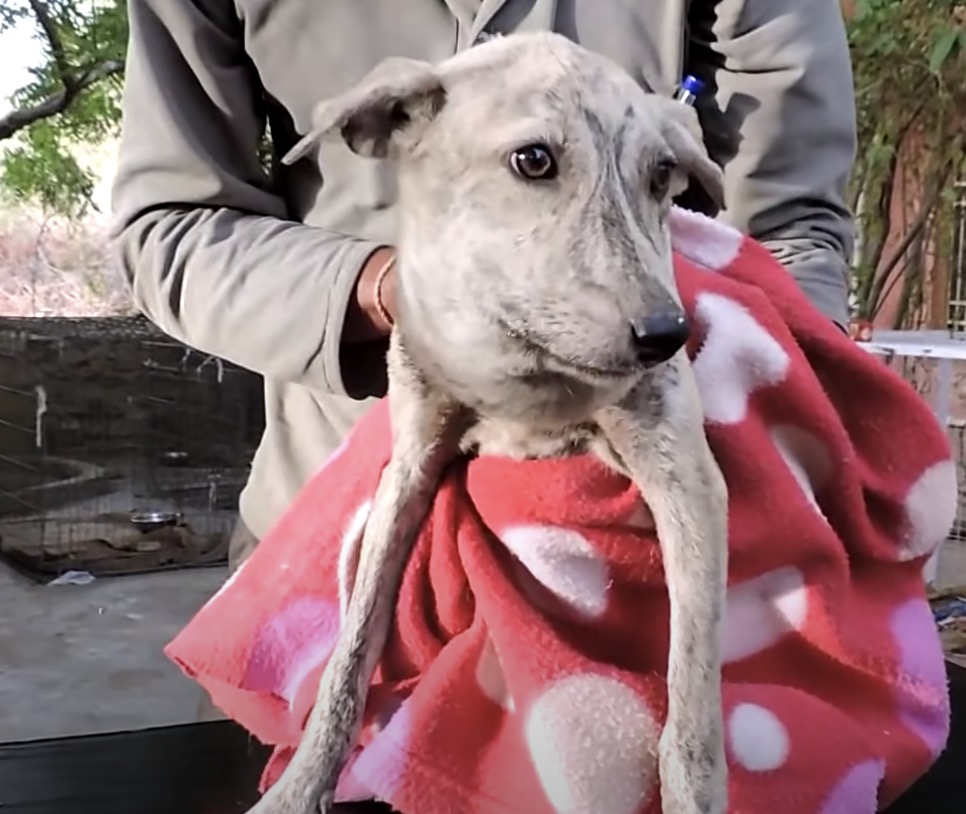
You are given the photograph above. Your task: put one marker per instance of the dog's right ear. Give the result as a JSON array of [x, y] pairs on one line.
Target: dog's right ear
[[386, 111]]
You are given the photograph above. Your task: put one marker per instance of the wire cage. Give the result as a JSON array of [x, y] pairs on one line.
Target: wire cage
[[121, 450], [957, 437]]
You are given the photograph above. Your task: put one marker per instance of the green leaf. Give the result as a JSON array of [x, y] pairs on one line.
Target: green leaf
[[862, 9], [943, 48], [38, 163]]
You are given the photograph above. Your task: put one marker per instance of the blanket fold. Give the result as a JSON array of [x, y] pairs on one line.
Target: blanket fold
[[525, 669]]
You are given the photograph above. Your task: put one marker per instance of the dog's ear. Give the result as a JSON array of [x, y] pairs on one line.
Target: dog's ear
[[385, 111], [681, 129]]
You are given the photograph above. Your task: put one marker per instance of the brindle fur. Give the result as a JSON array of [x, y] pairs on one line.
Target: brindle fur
[[512, 338]]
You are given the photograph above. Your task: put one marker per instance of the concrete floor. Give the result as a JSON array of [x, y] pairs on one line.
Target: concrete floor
[[82, 659]]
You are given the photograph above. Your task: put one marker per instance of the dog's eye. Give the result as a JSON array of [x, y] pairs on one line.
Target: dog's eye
[[535, 162], [660, 180]]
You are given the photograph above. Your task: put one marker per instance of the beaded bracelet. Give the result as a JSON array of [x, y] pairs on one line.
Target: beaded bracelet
[[377, 291]]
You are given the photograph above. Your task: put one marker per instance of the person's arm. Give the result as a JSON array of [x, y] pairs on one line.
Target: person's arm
[[781, 72], [209, 250]]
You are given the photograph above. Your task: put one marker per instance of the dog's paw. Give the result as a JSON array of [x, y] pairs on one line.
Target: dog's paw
[[286, 797], [693, 772]]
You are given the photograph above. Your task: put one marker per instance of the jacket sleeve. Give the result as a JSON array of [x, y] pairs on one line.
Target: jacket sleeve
[[210, 252], [781, 75]]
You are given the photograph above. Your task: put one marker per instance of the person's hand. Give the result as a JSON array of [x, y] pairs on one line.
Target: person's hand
[[374, 300]]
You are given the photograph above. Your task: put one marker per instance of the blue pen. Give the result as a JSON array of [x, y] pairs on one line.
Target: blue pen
[[687, 92]]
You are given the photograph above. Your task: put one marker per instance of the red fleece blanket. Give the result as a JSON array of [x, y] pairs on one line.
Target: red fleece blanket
[[525, 669]]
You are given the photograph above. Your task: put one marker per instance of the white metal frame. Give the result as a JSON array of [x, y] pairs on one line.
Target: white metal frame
[[956, 312]]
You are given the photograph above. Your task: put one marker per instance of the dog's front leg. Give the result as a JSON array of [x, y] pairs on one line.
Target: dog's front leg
[[657, 432], [426, 431]]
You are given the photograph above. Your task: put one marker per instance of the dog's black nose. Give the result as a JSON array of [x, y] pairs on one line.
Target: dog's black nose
[[659, 336]]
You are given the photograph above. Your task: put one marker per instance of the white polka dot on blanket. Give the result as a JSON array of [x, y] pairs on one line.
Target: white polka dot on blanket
[[592, 740], [930, 506], [349, 555], [806, 458], [350, 788], [758, 740], [737, 358], [761, 611], [858, 790], [564, 562], [490, 677], [705, 242]]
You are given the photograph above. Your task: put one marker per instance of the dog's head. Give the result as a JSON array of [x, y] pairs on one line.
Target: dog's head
[[535, 182]]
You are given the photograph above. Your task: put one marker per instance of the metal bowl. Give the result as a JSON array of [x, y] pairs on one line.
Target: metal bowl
[[174, 457], [151, 521]]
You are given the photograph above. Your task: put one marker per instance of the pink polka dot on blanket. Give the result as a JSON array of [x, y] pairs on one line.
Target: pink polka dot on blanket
[[290, 645], [921, 692], [382, 766], [857, 792]]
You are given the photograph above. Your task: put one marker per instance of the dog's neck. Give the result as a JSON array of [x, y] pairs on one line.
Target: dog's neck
[[489, 436]]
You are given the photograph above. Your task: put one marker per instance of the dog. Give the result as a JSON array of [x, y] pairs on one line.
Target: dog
[[537, 316]]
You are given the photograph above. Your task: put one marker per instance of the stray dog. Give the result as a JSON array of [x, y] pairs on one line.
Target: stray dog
[[538, 317]]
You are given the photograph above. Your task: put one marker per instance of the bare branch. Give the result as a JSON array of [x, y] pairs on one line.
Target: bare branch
[[56, 103]]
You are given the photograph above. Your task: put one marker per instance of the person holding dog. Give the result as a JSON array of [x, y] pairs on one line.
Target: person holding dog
[[288, 271]]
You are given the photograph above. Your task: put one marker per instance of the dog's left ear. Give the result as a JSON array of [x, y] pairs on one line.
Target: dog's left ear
[[681, 129], [385, 112]]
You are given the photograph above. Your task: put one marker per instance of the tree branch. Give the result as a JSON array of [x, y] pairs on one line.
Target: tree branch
[[874, 243], [56, 103], [74, 80], [911, 278], [930, 198], [872, 257], [57, 52]]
